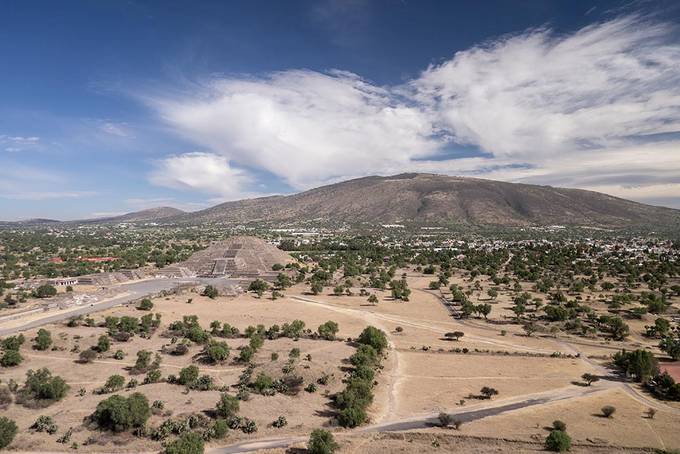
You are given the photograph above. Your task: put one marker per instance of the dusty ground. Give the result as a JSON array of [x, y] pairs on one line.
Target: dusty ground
[[420, 376]]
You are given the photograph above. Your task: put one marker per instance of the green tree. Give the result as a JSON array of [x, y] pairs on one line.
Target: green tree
[[103, 344], [328, 330], [145, 305], [558, 441], [321, 442], [258, 286], [11, 358], [374, 337], [119, 414], [187, 443], [45, 291], [43, 340], [641, 364], [210, 291], [227, 406], [8, 429], [188, 375], [41, 385]]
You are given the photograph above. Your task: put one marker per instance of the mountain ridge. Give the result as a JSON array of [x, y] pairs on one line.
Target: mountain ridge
[[431, 198]]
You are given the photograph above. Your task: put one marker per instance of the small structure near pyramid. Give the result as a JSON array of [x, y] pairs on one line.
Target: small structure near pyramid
[[240, 257]]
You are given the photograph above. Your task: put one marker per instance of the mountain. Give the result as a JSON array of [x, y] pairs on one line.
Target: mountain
[[150, 215], [437, 199]]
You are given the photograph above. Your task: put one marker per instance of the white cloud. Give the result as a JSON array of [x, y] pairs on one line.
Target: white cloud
[[15, 144], [304, 126], [205, 172], [597, 108], [535, 95]]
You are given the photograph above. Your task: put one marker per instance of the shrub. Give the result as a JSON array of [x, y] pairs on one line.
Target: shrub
[[558, 441], [41, 385], [444, 419], [488, 392], [188, 375], [113, 384], [43, 340], [217, 352], [8, 429], [45, 291], [352, 416], [87, 356], [119, 414], [45, 424], [364, 356], [639, 363], [589, 378], [13, 342], [608, 411], [220, 428], [281, 421], [11, 358], [246, 354], [145, 305], [321, 442], [188, 443], [227, 406], [103, 344], [263, 382], [210, 291], [328, 330], [373, 337], [5, 397], [559, 425]]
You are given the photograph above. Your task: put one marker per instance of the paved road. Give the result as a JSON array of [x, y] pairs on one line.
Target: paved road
[[129, 292], [465, 415]]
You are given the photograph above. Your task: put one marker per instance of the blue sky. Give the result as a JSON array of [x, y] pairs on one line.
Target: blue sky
[[114, 106]]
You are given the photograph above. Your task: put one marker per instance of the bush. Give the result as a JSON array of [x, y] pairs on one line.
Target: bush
[[41, 385], [559, 425], [188, 375], [608, 411], [444, 419], [188, 443], [558, 441], [321, 442], [45, 424], [263, 382], [8, 429], [227, 406], [246, 354], [488, 393], [328, 330], [87, 356], [281, 421], [220, 428], [43, 340], [113, 384], [103, 344], [11, 358], [217, 352], [45, 291], [13, 342], [352, 416], [210, 291], [373, 337], [639, 363], [364, 356], [119, 414], [145, 305]]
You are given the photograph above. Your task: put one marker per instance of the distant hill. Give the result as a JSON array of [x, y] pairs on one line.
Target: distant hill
[[433, 199], [150, 215]]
